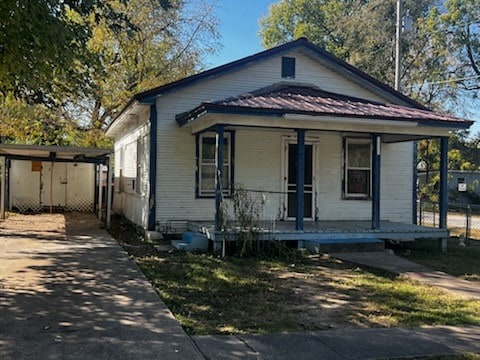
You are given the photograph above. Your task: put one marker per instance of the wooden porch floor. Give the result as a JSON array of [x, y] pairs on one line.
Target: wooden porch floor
[[285, 230]]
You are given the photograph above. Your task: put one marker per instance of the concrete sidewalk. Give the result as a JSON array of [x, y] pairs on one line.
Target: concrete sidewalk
[[364, 344], [385, 260], [79, 296]]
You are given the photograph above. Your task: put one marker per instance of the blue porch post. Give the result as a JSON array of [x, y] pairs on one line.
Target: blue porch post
[[443, 196], [218, 177], [376, 145], [300, 188], [414, 184]]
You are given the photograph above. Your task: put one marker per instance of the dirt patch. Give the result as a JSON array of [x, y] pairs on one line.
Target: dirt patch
[[22, 238], [27, 240], [48, 223]]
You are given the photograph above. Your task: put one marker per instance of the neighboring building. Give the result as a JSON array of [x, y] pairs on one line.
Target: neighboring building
[[355, 137], [36, 178], [463, 185]]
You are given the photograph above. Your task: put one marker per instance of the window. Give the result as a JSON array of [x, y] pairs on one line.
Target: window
[[358, 168], [206, 164], [140, 163], [121, 182], [288, 67]]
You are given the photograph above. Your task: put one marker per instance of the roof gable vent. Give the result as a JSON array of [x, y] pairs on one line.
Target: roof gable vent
[[288, 67]]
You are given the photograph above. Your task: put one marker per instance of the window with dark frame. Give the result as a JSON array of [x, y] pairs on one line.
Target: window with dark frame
[[358, 168], [288, 67], [206, 164], [140, 159]]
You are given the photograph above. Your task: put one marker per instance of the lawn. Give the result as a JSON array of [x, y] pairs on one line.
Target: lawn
[[467, 356], [213, 295], [460, 261], [210, 295]]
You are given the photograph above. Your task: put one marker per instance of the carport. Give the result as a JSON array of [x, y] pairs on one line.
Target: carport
[[55, 178]]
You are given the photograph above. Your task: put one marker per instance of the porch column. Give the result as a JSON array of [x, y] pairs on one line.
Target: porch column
[[218, 177], [376, 145], [443, 199], [443, 196], [300, 190], [414, 184], [109, 192], [3, 187]]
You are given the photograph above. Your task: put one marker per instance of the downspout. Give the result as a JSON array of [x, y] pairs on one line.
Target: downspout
[[152, 167], [3, 188]]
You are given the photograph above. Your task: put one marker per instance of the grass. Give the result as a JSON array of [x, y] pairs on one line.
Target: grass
[[209, 295], [466, 356], [460, 261], [212, 295]]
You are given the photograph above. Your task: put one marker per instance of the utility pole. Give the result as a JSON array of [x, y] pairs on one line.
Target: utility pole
[[398, 51]]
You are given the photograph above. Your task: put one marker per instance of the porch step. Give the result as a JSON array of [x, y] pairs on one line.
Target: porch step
[[345, 244], [191, 241]]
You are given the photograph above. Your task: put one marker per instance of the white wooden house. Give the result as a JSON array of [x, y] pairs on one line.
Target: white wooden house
[[294, 104]]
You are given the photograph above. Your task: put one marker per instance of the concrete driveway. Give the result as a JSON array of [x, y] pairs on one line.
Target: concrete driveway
[[69, 291]]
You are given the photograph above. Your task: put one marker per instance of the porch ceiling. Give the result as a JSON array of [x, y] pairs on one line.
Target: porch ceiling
[[302, 106]]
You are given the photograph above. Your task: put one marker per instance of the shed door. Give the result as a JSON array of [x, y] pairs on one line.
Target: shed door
[[54, 184]]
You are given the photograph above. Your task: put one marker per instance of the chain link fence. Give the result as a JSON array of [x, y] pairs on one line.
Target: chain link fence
[[463, 220]]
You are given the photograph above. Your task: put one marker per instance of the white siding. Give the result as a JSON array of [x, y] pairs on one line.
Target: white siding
[[259, 158], [131, 198]]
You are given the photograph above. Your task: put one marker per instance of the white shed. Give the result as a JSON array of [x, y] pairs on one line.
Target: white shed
[[53, 178]]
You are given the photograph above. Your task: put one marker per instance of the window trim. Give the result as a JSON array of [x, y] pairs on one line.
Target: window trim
[[227, 193], [346, 168]]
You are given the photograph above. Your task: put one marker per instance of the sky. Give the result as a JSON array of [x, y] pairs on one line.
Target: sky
[[238, 29]]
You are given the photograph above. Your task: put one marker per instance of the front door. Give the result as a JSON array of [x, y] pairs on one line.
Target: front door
[[291, 181]]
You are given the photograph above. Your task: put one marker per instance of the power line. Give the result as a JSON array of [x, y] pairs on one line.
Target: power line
[[453, 80]]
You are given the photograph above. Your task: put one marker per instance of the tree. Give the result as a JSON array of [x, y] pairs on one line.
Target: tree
[[167, 44], [43, 45], [457, 33], [79, 62], [32, 124], [362, 32]]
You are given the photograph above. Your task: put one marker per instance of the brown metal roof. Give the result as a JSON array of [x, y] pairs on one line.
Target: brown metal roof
[[308, 100]]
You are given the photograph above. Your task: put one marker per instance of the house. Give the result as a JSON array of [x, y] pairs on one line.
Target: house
[[329, 147]]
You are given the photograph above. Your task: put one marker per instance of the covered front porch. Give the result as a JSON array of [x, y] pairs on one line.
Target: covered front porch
[[303, 111]]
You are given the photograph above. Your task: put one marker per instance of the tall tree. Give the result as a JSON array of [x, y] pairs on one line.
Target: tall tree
[[80, 61], [43, 49], [167, 44], [362, 32]]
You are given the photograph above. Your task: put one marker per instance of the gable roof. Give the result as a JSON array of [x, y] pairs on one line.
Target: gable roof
[[325, 57], [298, 99]]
